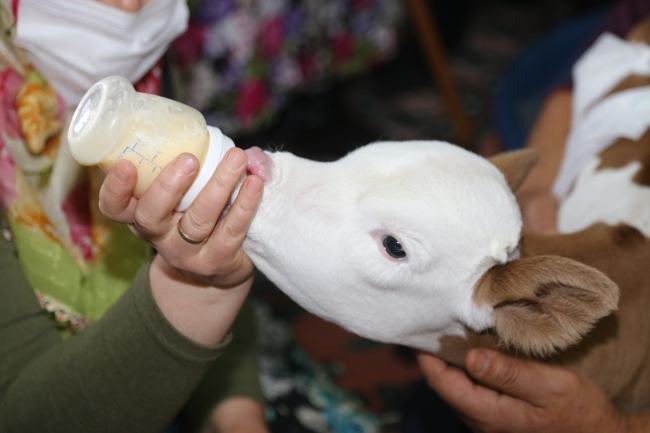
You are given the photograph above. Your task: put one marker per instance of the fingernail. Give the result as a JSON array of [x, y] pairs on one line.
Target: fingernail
[[254, 186], [185, 164], [235, 160], [121, 173], [479, 363]]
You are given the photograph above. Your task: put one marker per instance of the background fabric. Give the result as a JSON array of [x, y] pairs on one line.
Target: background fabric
[[240, 61]]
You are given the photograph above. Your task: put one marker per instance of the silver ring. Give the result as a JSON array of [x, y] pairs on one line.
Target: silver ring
[[185, 237]]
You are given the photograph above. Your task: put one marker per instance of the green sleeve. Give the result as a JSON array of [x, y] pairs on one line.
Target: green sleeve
[[130, 371], [235, 373]]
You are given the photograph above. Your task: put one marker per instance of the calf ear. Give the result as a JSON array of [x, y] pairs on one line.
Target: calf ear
[[545, 303], [515, 165]]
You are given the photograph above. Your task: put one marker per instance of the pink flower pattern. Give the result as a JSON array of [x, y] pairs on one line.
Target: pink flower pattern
[[253, 96], [272, 36], [261, 51], [10, 82], [7, 176], [150, 83], [342, 47], [189, 45], [76, 208]]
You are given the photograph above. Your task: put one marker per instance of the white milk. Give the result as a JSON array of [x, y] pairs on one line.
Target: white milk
[[150, 156], [114, 122]]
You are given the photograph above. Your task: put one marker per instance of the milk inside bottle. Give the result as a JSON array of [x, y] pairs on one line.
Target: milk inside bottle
[[114, 122]]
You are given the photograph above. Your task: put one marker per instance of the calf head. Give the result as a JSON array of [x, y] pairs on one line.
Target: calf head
[[407, 242]]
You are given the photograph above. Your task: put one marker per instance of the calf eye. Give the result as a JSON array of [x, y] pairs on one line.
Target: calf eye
[[393, 247]]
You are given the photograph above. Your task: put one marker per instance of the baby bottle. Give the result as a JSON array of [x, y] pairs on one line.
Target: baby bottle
[[114, 122]]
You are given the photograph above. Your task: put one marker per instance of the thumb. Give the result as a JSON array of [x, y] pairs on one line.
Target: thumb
[[517, 378]]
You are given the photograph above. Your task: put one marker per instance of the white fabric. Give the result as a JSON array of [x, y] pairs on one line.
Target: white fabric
[[75, 43], [597, 122]]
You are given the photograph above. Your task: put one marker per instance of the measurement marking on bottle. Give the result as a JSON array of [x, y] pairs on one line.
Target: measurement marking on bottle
[[144, 163]]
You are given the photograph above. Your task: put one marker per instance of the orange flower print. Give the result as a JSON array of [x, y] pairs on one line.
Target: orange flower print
[[38, 109]]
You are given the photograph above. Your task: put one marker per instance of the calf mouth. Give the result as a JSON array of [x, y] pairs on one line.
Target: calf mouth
[[259, 164]]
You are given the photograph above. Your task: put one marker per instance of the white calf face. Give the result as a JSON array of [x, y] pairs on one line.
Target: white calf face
[[326, 234]]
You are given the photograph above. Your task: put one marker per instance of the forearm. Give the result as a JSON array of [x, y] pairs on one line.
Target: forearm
[[548, 136], [131, 370], [202, 313], [538, 204]]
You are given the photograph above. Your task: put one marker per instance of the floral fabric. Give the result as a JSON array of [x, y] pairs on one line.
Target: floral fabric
[[78, 262], [239, 60]]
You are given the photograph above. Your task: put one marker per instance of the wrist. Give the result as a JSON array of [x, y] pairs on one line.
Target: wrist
[[201, 312], [536, 185], [193, 287]]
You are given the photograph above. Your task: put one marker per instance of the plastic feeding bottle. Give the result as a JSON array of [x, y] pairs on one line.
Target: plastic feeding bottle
[[114, 122]]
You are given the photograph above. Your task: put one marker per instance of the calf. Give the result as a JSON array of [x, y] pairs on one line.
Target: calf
[[420, 243]]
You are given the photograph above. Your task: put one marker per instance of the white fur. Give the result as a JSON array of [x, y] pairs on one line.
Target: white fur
[[599, 119], [317, 235], [607, 195]]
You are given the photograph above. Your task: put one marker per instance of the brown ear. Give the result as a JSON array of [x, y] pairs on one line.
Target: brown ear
[[545, 303], [515, 165]]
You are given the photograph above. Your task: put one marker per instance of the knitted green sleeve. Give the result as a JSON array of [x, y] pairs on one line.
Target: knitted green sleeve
[[130, 371]]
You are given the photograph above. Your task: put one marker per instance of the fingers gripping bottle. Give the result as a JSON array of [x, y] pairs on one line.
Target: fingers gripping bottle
[[114, 122]]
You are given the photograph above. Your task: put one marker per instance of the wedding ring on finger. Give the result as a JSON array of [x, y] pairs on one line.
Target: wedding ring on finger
[[185, 237]]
